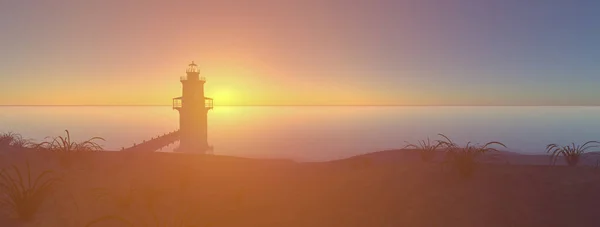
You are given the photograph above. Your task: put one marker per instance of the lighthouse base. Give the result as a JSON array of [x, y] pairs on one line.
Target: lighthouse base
[[195, 149]]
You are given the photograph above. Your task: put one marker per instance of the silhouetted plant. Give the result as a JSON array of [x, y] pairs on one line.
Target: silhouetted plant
[[571, 153], [6, 139], [22, 199], [425, 149], [15, 140], [21, 143], [66, 148], [64, 144], [463, 158]]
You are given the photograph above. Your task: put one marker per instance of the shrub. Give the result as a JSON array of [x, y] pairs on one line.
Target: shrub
[[24, 200], [425, 149], [571, 153], [463, 158]]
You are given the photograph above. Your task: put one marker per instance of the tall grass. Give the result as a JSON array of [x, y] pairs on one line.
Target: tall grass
[[21, 196], [463, 159], [7, 138], [67, 148], [571, 153], [426, 149], [65, 144], [11, 139]]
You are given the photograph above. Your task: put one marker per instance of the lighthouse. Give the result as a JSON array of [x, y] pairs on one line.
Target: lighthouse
[[193, 110]]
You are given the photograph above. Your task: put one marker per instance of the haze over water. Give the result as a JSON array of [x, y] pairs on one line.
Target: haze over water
[[313, 133]]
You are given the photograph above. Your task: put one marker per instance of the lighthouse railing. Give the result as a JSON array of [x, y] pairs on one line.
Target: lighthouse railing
[[184, 78], [208, 103], [177, 103]]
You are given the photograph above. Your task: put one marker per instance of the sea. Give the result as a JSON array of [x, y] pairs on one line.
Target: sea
[[313, 133]]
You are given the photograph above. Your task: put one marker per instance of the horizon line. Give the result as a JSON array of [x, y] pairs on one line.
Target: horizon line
[[305, 105]]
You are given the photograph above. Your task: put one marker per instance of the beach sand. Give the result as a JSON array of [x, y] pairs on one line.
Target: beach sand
[[391, 188]]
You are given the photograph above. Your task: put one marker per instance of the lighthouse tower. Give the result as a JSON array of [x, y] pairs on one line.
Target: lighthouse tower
[[193, 109]]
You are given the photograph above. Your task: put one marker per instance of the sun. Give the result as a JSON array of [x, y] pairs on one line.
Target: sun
[[224, 96]]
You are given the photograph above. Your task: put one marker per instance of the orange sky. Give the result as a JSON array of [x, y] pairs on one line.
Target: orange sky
[[108, 54], [132, 54], [311, 52]]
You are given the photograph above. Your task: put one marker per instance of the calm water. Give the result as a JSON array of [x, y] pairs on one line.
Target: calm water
[[315, 133]]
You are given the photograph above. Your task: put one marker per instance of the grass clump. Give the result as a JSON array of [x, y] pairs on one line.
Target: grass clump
[[64, 144], [21, 196], [426, 149], [15, 140], [6, 139], [571, 153], [67, 148], [463, 158]]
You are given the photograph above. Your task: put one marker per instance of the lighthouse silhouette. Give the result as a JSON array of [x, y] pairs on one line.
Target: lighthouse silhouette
[[193, 110]]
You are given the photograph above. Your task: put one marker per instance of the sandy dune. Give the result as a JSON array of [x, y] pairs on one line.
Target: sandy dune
[[391, 188]]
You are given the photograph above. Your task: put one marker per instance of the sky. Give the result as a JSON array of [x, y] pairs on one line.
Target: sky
[[304, 52]]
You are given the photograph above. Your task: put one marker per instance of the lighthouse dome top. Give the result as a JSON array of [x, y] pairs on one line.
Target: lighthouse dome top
[[192, 68]]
